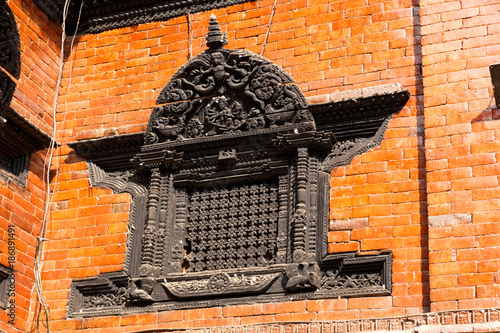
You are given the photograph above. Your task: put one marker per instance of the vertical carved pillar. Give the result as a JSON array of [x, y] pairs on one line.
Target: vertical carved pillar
[[177, 254], [300, 217], [149, 238], [163, 233], [292, 205], [323, 213], [313, 211], [283, 190], [304, 272], [141, 289], [167, 206]]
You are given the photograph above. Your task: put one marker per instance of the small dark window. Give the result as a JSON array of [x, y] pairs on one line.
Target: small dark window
[[11, 165], [15, 169]]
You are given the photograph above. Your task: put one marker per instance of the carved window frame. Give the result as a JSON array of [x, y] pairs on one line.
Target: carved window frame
[[226, 120]]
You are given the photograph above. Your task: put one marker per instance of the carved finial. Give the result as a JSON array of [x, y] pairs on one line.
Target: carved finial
[[215, 37]]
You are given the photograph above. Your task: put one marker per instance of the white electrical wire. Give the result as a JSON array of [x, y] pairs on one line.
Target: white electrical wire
[[46, 175], [190, 53], [269, 27]]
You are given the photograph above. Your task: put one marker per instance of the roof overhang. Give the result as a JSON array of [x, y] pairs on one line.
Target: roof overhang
[[101, 15]]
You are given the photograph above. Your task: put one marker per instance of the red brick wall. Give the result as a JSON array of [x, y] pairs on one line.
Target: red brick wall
[[33, 99], [460, 39]]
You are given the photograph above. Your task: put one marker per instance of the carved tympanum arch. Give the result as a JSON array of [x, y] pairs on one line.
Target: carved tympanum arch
[[224, 91], [234, 169]]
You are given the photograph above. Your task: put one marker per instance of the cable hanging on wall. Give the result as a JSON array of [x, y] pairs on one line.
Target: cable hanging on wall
[[190, 48], [43, 305], [269, 27]]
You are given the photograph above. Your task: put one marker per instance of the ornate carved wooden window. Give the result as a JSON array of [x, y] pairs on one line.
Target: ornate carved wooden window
[[230, 189]]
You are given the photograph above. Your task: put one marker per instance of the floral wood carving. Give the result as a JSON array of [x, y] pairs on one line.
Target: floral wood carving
[[107, 299], [234, 178]]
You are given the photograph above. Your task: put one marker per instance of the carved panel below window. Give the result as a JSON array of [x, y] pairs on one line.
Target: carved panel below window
[[6, 288], [230, 191]]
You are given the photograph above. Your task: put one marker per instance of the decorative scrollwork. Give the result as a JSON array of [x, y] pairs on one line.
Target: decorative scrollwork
[[103, 300], [221, 284], [102, 15], [342, 147]]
